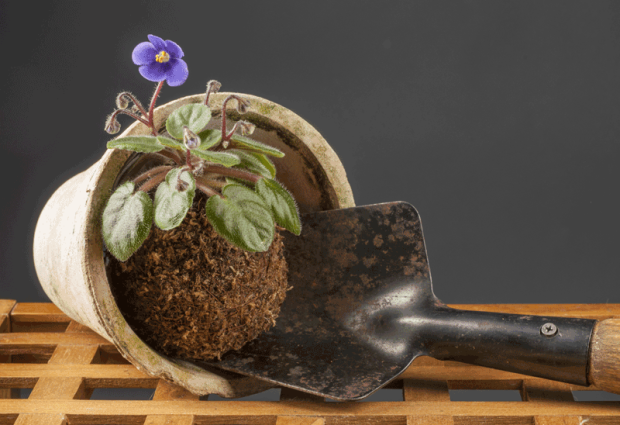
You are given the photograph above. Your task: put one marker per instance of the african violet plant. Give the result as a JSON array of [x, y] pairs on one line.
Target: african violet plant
[[245, 202]]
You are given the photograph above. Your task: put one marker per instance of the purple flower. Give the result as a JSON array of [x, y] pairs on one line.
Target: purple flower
[[160, 60]]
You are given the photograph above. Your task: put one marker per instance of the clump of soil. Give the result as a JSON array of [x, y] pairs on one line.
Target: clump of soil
[[190, 294]]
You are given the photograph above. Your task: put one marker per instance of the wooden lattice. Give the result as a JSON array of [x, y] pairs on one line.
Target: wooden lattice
[[64, 362]]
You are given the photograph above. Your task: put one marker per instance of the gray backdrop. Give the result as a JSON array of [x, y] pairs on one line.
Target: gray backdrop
[[498, 120]]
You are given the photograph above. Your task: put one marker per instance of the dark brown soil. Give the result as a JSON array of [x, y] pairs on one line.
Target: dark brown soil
[[190, 294]]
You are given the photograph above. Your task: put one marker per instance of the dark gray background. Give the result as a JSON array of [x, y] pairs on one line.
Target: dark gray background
[[498, 120]]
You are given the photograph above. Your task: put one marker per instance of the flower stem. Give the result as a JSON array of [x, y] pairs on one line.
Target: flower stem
[[152, 107], [230, 134], [131, 114], [233, 172], [135, 102], [152, 172], [188, 160], [225, 136]]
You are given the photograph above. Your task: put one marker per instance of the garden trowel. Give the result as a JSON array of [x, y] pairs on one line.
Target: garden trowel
[[362, 309]]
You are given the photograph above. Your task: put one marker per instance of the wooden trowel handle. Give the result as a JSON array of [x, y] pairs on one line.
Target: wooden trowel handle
[[604, 361]]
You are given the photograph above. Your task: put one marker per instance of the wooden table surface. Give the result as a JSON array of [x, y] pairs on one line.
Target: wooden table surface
[[62, 364]]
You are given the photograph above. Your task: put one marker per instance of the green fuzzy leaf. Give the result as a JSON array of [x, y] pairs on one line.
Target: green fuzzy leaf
[[266, 163], [246, 143], [137, 143], [241, 218], [232, 180], [127, 220], [172, 143], [209, 138], [172, 201], [255, 162], [195, 116], [281, 204], [223, 158]]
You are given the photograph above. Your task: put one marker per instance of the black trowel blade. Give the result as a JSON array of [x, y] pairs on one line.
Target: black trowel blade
[[354, 272]]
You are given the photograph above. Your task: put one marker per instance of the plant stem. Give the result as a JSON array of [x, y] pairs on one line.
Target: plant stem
[[152, 107], [209, 191], [188, 160], [217, 184], [135, 102], [226, 137], [230, 134], [131, 114], [233, 172], [153, 181], [152, 172], [171, 154]]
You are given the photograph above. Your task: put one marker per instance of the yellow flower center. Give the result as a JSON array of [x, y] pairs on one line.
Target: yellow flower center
[[162, 57]]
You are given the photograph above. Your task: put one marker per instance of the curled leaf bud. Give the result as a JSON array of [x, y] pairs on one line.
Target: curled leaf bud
[[112, 126], [242, 105], [135, 109], [190, 139], [213, 86], [246, 128], [122, 100]]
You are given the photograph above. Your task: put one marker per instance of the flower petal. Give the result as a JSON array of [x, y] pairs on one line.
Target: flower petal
[[154, 71], [144, 53], [173, 49], [177, 72], [158, 43]]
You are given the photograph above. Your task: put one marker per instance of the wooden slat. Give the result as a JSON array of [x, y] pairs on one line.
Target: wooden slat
[[94, 373], [75, 354], [62, 387], [544, 391], [38, 312], [585, 311], [533, 391], [299, 420], [51, 339], [212, 409], [169, 420], [425, 390], [127, 374], [557, 420], [473, 374], [430, 420], [59, 388], [41, 419], [6, 306], [168, 391], [77, 327]]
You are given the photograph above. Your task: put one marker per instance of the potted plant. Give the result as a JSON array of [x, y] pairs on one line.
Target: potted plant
[[212, 275], [197, 167]]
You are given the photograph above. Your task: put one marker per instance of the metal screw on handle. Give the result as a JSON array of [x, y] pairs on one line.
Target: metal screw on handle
[[548, 329]]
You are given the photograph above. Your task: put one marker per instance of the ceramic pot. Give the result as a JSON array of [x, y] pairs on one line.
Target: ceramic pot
[[68, 246]]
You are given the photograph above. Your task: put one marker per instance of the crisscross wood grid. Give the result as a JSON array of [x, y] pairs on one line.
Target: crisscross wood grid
[[64, 362]]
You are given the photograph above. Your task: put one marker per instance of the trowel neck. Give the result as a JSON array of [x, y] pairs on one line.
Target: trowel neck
[[548, 347]]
